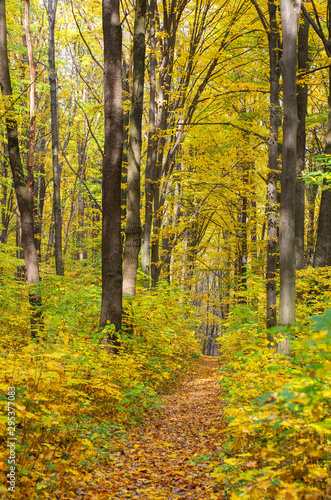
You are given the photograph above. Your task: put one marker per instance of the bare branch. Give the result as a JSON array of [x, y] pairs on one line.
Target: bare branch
[[90, 129], [83, 182], [263, 20], [83, 38]]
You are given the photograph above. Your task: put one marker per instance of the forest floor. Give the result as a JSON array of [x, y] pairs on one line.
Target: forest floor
[[169, 455]]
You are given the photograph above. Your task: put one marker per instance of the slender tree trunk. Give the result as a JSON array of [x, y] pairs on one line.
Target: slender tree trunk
[[74, 203], [133, 224], [322, 255], [81, 253], [150, 173], [32, 125], [253, 211], [32, 134], [111, 306], [50, 243], [39, 193], [20, 270], [302, 98], [191, 252], [155, 268], [82, 159], [242, 240], [24, 188], [290, 17], [274, 46], [163, 98], [51, 13], [7, 200], [311, 230], [166, 249], [165, 78], [126, 122]]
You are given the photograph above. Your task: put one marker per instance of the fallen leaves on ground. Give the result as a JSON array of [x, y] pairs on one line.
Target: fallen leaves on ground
[[167, 457]]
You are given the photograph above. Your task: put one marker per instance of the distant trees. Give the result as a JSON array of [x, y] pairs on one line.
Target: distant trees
[[187, 184]]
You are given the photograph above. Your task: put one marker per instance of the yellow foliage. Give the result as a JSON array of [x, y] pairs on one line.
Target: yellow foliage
[[277, 408], [73, 398]]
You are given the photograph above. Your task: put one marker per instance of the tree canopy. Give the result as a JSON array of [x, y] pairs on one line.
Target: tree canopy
[[165, 192]]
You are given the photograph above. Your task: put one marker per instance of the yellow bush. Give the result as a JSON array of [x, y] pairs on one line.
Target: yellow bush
[[278, 440]]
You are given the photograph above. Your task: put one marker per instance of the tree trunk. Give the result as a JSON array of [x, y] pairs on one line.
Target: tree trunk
[[81, 252], [7, 200], [171, 20], [126, 121], [133, 224], [242, 240], [23, 187], [150, 173], [290, 17], [274, 46], [51, 13], [111, 306], [39, 193], [82, 160], [322, 255], [311, 229], [302, 98]]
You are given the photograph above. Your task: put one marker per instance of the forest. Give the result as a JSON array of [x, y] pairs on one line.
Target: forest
[[165, 241]]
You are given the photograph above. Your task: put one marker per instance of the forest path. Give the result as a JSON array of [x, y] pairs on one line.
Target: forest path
[[163, 459]]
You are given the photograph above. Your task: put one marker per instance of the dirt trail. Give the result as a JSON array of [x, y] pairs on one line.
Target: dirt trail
[[167, 457]]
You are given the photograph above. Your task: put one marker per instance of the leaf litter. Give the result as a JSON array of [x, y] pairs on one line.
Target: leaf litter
[[171, 454]]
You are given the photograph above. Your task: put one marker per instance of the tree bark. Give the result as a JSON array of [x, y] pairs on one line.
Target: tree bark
[[171, 21], [126, 121], [133, 224], [290, 17], [274, 47], [51, 13], [7, 208], [302, 98], [82, 160], [23, 187], [242, 239], [322, 255], [150, 172], [111, 306], [311, 229], [32, 125], [39, 192]]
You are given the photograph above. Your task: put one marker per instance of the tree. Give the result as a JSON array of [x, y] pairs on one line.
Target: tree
[[150, 173], [51, 7], [133, 224], [24, 185], [302, 98], [111, 306], [290, 18], [177, 95], [274, 50], [322, 255]]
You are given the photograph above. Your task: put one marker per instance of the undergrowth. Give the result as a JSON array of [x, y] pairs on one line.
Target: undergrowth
[[72, 397], [277, 444]]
